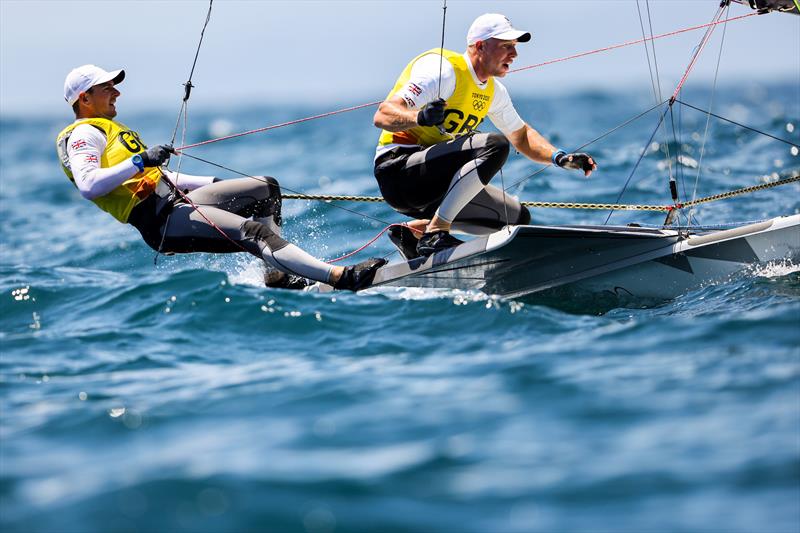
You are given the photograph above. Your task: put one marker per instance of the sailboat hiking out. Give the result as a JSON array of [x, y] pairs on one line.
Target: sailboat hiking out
[[627, 261], [624, 261]]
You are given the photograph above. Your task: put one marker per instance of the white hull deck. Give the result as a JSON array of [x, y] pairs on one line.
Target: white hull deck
[[616, 260]]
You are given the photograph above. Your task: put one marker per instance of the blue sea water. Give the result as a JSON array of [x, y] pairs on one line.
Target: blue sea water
[[184, 396]]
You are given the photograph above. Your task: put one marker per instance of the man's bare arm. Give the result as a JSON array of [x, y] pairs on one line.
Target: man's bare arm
[[394, 115], [532, 145]]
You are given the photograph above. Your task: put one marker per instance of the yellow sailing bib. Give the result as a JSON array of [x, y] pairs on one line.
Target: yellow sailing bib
[[121, 144], [465, 109]]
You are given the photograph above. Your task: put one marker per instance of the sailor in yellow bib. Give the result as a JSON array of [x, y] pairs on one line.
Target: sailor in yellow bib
[[430, 162], [122, 144], [111, 166]]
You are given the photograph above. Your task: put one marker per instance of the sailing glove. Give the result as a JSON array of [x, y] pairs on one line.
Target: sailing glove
[[157, 155], [432, 114], [576, 161]]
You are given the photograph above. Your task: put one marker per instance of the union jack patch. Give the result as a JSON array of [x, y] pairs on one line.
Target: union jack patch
[[414, 89], [91, 158], [80, 143]]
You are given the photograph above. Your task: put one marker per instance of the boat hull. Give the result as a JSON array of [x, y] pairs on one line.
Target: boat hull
[[616, 260]]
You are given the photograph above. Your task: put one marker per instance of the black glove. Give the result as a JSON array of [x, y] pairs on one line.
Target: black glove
[[577, 161], [157, 155], [432, 114]]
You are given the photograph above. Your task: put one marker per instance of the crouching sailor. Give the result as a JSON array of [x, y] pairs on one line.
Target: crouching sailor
[[112, 167], [432, 164]]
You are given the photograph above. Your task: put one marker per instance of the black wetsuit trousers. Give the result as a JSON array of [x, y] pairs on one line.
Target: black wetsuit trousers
[[415, 180]]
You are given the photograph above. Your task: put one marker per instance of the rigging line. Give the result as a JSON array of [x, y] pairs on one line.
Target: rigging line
[[708, 119], [441, 50], [653, 45], [362, 215], [581, 147], [369, 242], [188, 85], [790, 143], [689, 215], [577, 205], [673, 187], [696, 55], [505, 203], [274, 126], [296, 194], [175, 186], [647, 54], [630, 43], [184, 112], [745, 190], [656, 82], [678, 169], [555, 205], [667, 154], [371, 104], [641, 156]]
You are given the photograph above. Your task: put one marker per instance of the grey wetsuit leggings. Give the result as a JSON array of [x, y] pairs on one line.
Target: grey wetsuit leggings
[[247, 216], [451, 176]]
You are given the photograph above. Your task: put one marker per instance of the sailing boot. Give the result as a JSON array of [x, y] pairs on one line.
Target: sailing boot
[[277, 279], [359, 276], [405, 241], [436, 241]]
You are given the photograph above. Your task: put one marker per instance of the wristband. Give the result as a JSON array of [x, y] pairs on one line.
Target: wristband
[[555, 156], [138, 162]]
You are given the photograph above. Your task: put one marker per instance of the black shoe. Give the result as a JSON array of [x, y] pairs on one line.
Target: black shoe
[[276, 279], [405, 241], [436, 241], [359, 276]]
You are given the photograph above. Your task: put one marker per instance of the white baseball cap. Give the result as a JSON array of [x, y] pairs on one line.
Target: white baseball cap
[[83, 78], [494, 25]]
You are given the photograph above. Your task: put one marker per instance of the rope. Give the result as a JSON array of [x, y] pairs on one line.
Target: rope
[[274, 126], [790, 143], [296, 193], [184, 112], [375, 238], [737, 192], [708, 117], [572, 205], [641, 156], [630, 43], [441, 50], [188, 85], [701, 46], [560, 205], [372, 104], [656, 90], [581, 147]]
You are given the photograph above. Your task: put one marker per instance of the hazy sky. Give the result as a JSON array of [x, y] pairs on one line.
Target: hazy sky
[[335, 53]]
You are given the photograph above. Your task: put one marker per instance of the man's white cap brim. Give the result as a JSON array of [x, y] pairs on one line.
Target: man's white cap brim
[[495, 26], [83, 78], [513, 35]]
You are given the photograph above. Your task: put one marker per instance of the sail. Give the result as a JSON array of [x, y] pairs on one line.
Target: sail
[[784, 6]]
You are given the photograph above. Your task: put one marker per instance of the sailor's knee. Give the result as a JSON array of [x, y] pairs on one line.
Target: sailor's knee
[[495, 152], [272, 184], [261, 232], [498, 146]]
